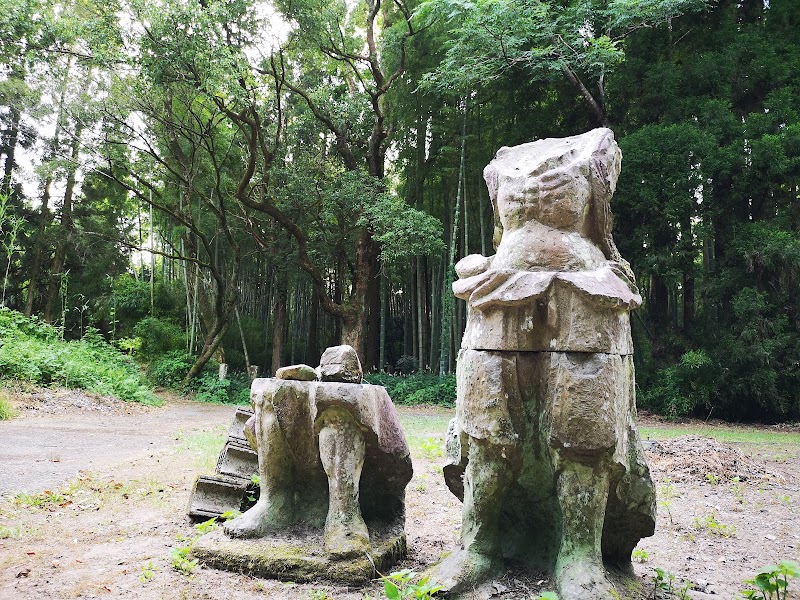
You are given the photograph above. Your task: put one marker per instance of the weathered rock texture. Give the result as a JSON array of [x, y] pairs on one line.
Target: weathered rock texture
[[297, 373], [340, 363], [334, 464], [544, 450]]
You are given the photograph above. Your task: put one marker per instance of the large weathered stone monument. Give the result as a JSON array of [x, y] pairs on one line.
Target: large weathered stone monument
[[544, 449], [333, 465]]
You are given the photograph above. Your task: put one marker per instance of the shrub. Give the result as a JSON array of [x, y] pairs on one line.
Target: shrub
[[233, 390], [34, 351], [168, 370], [682, 389], [159, 336]]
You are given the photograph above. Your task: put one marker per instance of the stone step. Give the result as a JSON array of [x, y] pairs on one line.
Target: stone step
[[213, 495]]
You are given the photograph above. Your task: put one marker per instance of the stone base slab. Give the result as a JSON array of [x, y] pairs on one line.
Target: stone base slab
[[300, 558]]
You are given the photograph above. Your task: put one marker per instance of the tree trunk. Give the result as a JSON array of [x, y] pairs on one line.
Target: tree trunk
[[313, 353], [278, 328], [384, 317], [244, 342], [45, 217], [420, 314], [9, 151], [67, 236]]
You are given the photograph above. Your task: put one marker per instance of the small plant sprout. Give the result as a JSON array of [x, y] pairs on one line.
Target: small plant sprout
[[180, 556], [640, 555], [665, 584], [772, 582], [148, 573], [666, 493], [712, 478], [737, 490]]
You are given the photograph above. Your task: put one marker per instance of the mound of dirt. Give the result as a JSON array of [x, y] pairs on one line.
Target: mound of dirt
[[698, 458], [43, 401]]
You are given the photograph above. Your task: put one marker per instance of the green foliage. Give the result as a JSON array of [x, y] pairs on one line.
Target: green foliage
[[33, 351], [545, 38], [400, 585], [403, 232], [684, 388], [159, 336], [772, 582], [169, 369], [208, 387], [420, 388]]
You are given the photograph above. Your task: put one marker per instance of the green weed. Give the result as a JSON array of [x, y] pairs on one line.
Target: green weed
[[737, 490], [9, 532], [180, 556], [772, 582], [432, 447], [400, 586], [46, 500], [666, 584], [7, 410], [666, 493], [148, 573], [712, 525]]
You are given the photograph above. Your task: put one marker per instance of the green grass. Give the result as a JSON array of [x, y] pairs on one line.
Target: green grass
[[7, 410], [203, 446], [425, 433]]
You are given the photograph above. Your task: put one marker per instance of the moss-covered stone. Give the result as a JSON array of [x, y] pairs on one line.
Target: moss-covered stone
[[299, 556]]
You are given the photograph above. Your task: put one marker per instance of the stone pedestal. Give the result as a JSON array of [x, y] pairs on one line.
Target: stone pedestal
[[333, 465]]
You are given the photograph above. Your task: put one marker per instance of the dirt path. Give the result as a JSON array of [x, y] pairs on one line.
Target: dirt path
[[725, 510], [57, 436]]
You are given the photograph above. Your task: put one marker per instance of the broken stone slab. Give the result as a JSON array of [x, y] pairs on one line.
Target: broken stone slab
[[236, 429], [228, 488], [297, 373], [237, 460], [299, 556], [213, 495], [340, 363]]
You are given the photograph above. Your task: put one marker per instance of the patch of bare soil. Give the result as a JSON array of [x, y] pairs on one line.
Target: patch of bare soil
[[36, 402], [113, 531]]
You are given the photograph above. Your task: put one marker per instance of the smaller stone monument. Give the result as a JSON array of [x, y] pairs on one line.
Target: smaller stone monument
[[333, 467]]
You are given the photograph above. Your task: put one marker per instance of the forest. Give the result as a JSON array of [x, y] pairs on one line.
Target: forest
[[207, 181]]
